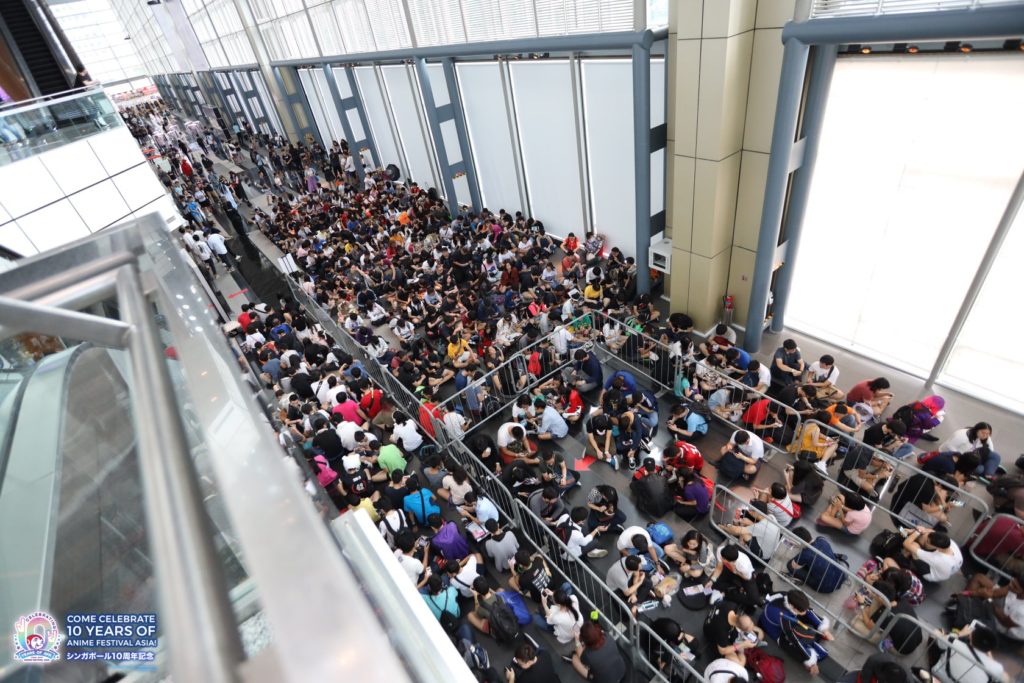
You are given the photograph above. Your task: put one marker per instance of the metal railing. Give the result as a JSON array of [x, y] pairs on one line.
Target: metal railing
[[960, 524], [659, 659], [663, 373], [30, 129], [861, 8], [967, 663], [999, 558], [725, 504]]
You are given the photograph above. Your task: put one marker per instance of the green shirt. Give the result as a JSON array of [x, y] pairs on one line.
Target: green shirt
[[391, 458]]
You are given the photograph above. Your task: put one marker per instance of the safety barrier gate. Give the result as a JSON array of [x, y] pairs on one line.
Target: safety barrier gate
[[996, 544], [962, 521], [591, 589], [726, 504], [964, 667]]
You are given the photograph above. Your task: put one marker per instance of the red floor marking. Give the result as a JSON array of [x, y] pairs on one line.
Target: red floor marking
[[241, 291]]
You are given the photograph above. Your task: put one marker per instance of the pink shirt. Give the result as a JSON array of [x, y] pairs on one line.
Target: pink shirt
[[348, 411], [857, 520]]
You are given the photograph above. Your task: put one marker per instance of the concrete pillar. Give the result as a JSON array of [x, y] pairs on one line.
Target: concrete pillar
[[724, 60]]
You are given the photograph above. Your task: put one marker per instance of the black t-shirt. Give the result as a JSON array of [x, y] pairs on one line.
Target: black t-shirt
[[717, 628], [329, 442], [919, 490], [877, 437], [534, 580], [542, 671], [605, 663], [302, 384]]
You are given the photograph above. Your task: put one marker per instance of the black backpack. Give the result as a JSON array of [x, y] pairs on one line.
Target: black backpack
[[1002, 488], [504, 626]]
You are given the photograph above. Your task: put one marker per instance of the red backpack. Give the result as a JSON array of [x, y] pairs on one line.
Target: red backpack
[[533, 365], [770, 668]]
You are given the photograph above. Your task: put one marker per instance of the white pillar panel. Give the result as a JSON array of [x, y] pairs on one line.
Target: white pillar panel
[[547, 138], [450, 134], [438, 84], [405, 107], [608, 112], [74, 166], [12, 237], [327, 102], [100, 205], [376, 113], [306, 76], [116, 149], [54, 225], [356, 124], [489, 135], [658, 88], [341, 80], [26, 185]]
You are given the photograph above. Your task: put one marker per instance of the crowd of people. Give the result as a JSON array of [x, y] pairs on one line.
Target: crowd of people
[[442, 302]]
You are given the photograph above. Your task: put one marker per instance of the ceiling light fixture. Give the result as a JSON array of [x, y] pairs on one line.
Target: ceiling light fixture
[[913, 49], [966, 47], [866, 50]]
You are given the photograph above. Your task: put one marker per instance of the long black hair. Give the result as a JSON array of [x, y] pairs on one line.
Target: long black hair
[[972, 432]]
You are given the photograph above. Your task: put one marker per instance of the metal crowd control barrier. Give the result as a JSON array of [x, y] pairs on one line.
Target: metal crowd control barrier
[[777, 437], [724, 505], [960, 525], [660, 660], [998, 556], [591, 589], [484, 409], [966, 662]]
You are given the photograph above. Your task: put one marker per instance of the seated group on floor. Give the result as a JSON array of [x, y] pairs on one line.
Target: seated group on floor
[[446, 305]]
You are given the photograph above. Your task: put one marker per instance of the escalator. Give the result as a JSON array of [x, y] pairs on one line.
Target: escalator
[[34, 47]]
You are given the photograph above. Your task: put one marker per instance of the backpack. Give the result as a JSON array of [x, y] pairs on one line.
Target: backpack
[[514, 601], [886, 544], [475, 655], [660, 533], [564, 530], [504, 626], [533, 365], [925, 457], [794, 513], [768, 668], [450, 542], [963, 609], [709, 484], [1001, 489], [403, 523], [701, 408], [449, 622]]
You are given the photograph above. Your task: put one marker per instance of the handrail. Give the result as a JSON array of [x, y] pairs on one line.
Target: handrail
[[985, 526], [897, 464], [56, 96], [794, 540], [678, 667], [930, 632]]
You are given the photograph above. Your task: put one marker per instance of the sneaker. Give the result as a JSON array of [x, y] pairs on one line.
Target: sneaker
[[885, 645], [666, 601], [716, 597], [632, 463], [617, 528], [567, 659], [597, 553], [614, 462], [956, 503]]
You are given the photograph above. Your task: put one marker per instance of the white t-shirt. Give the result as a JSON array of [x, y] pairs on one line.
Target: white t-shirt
[[767, 535], [722, 670], [395, 518], [464, 579], [963, 666], [618, 577], [560, 339], [577, 539], [346, 431], [455, 423], [742, 566], [458, 491], [409, 435], [753, 448], [565, 622], [764, 375], [504, 437], [1014, 608], [778, 510], [942, 565], [820, 375], [412, 567], [625, 541]]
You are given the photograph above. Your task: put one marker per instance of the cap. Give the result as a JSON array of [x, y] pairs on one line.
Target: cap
[[350, 462]]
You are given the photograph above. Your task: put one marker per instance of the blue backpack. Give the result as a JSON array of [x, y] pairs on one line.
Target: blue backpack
[[660, 533], [518, 606]]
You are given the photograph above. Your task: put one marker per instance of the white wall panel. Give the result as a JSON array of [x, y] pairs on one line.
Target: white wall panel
[[306, 76], [608, 111], [341, 80], [138, 186], [462, 193], [450, 135], [356, 124], [12, 237], [438, 84], [100, 205], [376, 112], [547, 135], [116, 149], [405, 105], [4, 216], [26, 185], [330, 110], [74, 166], [489, 137], [54, 225]]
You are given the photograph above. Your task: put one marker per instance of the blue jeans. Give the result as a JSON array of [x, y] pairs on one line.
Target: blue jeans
[[903, 451], [647, 565], [650, 420], [988, 467]]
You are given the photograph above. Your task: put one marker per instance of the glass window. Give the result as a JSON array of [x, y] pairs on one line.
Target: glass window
[[917, 160], [986, 362], [355, 26], [387, 20], [327, 31]]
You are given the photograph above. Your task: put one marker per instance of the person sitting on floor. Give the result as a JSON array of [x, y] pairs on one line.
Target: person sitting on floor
[[756, 530], [846, 511]]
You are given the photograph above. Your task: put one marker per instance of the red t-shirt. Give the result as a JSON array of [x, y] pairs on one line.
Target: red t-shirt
[[860, 393], [426, 410], [757, 412]]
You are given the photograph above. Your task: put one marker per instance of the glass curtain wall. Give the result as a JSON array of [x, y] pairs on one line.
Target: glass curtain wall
[[102, 43], [918, 157]]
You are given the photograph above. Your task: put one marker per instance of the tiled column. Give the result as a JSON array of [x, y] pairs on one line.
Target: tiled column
[[723, 70]]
